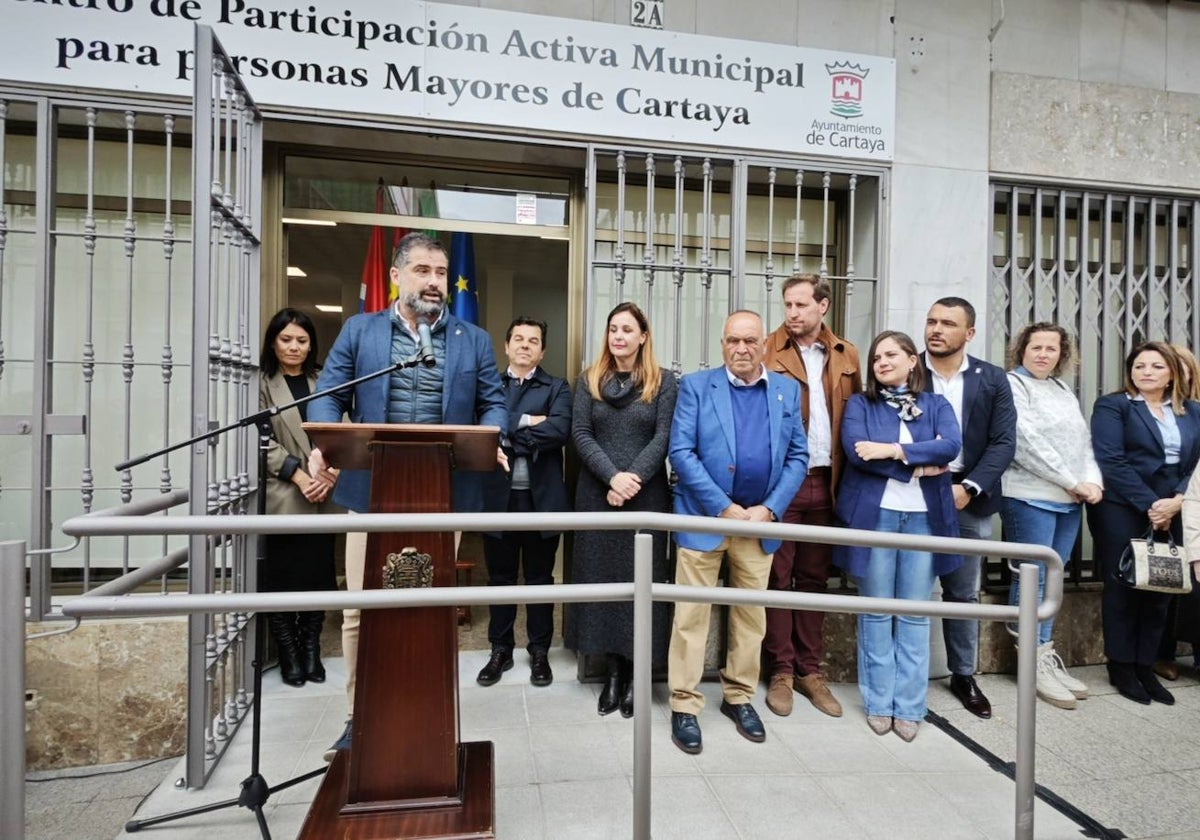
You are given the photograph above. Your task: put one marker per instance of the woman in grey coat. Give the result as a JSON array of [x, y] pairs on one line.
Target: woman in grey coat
[[294, 562], [621, 426]]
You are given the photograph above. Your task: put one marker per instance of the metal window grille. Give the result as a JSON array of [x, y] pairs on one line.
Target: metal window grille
[[691, 237], [94, 216], [1114, 268], [100, 327]]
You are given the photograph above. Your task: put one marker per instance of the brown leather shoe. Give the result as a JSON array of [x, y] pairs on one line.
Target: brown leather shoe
[[1167, 670], [814, 688], [779, 694]]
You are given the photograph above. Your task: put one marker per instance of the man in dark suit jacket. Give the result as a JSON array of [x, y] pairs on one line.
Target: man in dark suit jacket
[[461, 388], [980, 395], [539, 424]]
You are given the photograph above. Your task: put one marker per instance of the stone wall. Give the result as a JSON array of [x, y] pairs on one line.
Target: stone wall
[[1091, 131], [110, 691], [1077, 638]]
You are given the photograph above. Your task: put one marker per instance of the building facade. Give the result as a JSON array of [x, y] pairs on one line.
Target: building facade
[[1038, 157]]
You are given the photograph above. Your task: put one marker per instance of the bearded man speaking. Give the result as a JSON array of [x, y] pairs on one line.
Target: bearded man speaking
[[462, 387]]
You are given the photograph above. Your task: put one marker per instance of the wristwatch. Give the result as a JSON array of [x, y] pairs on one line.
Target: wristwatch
[[971, 489]]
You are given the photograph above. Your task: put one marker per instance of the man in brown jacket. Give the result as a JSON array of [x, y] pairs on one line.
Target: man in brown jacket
[[805, 349]]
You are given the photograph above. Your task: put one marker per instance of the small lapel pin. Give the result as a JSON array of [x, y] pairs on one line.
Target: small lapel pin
[[779, 397], [978, 370], [458, 331]]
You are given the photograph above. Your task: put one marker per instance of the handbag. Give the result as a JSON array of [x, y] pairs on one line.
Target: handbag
[[1155, 565]]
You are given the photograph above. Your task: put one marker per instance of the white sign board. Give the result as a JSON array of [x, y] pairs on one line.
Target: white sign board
[[470, 65], [526, 209]]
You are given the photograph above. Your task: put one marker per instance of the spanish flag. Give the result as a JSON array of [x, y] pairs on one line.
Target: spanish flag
[[376, 291]]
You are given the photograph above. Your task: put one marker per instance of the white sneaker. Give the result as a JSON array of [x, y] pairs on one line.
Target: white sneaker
[[1048, 686], [1079, 689]]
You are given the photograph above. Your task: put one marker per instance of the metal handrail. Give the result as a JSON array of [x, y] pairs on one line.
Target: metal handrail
[[91, 525], [642, 591]]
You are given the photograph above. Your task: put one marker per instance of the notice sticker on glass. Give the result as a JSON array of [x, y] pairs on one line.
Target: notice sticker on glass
[[526, 209]]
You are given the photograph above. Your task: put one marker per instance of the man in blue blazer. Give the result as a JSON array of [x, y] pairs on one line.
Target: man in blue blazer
[[982, 401], [728, 467], [462, 388]]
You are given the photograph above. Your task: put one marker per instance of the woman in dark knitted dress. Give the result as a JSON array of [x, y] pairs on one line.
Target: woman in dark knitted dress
[[621, 425]]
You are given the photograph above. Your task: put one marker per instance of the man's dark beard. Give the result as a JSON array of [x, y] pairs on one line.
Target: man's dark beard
[[941, 354], [422, 308]]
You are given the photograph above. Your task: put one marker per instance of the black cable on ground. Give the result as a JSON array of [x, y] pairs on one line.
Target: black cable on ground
[[1091, 826], [102, 772]]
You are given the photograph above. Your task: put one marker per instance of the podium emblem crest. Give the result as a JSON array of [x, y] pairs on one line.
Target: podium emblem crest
[[409, 569]]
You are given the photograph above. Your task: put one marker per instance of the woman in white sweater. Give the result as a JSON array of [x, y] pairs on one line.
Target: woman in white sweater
[[1051, 475]]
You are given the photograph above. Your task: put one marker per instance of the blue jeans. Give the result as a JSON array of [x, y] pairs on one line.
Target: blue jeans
[[1028, 524], [961, 586], [893, 651]]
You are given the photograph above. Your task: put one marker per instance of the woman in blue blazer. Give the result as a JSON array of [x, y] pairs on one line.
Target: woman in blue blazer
[[1147, 442], [898, 440]]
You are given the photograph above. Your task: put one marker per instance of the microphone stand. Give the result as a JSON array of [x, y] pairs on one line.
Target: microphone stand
[[254, 788]]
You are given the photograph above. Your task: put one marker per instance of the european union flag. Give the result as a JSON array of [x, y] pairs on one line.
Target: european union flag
[[464, 295]]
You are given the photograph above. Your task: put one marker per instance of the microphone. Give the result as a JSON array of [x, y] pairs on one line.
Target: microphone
[[426, 340]]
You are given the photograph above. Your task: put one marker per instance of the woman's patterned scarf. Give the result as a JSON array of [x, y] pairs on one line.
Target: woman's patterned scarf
[[903, 400]]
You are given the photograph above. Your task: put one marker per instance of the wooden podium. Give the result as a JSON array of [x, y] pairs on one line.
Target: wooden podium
[[406, 774]]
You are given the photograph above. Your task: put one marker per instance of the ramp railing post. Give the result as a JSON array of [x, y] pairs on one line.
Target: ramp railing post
[[12, 690], [643, 576], [1027, 635]]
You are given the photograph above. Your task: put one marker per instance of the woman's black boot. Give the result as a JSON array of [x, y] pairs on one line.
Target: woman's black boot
[[1125, 681], [283, 630], [1145, 675], [610, 696], [310, 624], [627, 697]]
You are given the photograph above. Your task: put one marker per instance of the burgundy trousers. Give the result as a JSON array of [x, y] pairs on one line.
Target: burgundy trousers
[[794, 641]]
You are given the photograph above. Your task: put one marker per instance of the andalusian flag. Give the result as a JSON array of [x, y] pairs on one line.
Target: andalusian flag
[[464, 295]]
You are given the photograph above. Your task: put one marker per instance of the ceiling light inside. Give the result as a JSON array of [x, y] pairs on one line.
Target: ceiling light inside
[[289, 220], [295, 271], [329, 307]]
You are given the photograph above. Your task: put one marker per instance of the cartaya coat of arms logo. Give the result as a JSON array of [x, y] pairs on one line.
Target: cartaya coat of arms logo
[[408, 569], [846, 88]]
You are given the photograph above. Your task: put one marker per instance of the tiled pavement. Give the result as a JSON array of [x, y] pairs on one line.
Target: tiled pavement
[[563, 772]]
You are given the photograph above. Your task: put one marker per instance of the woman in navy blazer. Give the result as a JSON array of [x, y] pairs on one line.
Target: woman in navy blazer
[[1147, 442], [898, 440]]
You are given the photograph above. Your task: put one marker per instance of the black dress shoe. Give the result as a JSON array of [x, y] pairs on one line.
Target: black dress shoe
[[500, 662], [539, 668], [1125, 681], [1156, 690], [968, 693], [685, 732], [748, 724]]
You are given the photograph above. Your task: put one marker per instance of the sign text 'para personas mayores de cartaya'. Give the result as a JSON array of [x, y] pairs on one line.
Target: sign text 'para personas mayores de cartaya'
[[475, 66]]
